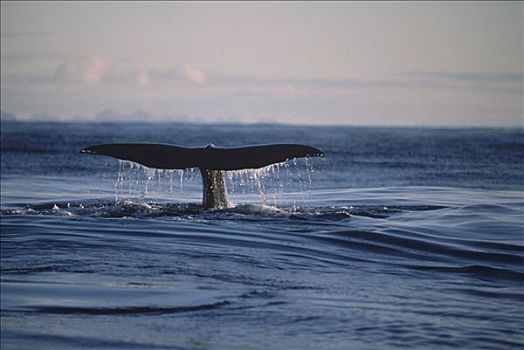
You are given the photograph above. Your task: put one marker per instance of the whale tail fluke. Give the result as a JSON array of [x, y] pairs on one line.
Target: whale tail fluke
[[162, 156], [211, 161]]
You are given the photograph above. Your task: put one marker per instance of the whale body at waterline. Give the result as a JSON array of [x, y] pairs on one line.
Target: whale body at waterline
[[211, 160]]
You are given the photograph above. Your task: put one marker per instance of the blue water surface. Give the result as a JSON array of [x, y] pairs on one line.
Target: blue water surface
[[398, 238]]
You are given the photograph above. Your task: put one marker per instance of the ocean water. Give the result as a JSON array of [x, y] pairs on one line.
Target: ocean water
[[398, 238]]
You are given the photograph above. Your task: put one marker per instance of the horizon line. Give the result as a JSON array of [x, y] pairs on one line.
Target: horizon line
[[260, 123]]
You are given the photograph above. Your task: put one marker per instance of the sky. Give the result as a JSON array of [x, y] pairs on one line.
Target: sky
[[451, 64]]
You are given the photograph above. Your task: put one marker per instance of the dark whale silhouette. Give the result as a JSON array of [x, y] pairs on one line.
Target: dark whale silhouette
[[212, 161]]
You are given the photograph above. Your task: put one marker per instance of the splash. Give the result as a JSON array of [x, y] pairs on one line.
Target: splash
[[269, 185]]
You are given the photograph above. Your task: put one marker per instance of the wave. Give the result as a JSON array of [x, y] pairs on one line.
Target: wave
[[480, 271], [129, 310], [422, 237], [408, 244], [54, 340], [141, 209]]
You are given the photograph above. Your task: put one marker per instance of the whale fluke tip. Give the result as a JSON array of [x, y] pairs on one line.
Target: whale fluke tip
[[87, 150]]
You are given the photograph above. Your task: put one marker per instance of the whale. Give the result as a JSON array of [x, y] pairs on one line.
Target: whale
[[212, 161]]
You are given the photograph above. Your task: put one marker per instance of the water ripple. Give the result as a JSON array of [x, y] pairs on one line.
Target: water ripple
[[130, 310]]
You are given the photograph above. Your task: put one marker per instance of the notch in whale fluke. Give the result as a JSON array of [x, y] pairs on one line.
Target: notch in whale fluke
[[164, 156]]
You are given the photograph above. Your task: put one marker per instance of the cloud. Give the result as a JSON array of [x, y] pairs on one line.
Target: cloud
[[95, 67], [511, 82], [103, 70], [503, 82], [193, 74], [89, 70], [468, 77], [143, 78], [100, 70]]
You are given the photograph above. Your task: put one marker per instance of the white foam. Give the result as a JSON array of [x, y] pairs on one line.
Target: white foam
[[257, 209]]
